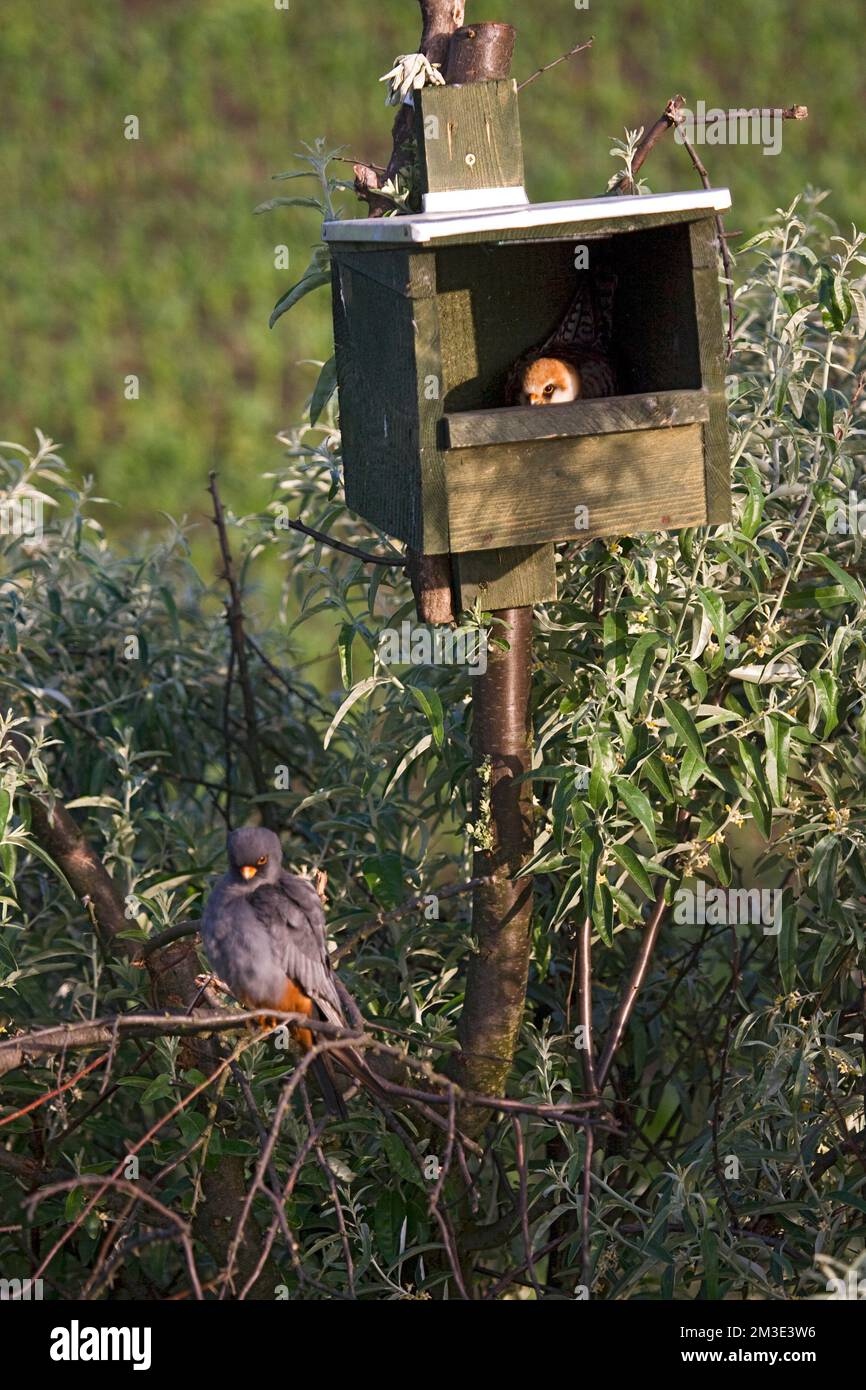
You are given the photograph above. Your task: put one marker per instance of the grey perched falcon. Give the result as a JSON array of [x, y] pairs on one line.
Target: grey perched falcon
[[264, 934]]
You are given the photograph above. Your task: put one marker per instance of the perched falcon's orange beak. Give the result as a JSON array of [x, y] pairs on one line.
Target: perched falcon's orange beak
[[248, 870]]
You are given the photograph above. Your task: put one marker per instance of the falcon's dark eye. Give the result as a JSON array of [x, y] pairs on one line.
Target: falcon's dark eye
[[263, 860], [549, 389]]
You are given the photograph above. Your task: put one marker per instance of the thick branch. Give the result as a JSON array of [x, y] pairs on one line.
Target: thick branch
[[61, 838], [86, 1036], [369, 928], [432, 583]]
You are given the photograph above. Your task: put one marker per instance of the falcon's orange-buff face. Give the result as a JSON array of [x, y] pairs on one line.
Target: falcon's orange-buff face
[[549, 381]]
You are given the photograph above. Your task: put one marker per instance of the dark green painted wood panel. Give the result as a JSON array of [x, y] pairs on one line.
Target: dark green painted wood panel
[[374, 340], [655, 336], [406, 271], [712, 347]]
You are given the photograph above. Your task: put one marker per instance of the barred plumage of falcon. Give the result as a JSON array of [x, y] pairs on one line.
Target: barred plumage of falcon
[[574, 362], [264, 934]]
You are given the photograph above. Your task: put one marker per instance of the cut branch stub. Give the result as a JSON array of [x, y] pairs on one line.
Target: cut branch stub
[[432, 585], [480, 53]]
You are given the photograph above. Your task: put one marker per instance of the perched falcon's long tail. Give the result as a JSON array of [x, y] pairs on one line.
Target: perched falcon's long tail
[[347, 1058], [323, 1069]]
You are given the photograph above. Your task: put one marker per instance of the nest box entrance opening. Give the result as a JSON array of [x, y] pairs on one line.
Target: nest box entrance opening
[[499, 302]]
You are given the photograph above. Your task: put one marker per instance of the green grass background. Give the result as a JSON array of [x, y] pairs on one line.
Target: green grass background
[[144, 257]]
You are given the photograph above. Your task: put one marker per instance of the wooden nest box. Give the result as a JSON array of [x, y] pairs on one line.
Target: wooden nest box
[[431, 313]]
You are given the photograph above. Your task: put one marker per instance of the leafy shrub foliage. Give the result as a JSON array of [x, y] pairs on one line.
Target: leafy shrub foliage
[[699, 718]]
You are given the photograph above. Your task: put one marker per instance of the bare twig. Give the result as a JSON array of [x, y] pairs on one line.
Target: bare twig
[[114, 1177], [585, 966], [284, 680], [563, 58], [83, 1036], [636, 980], [679, 121], [137, 1192], [235, 620], [723, 1067], [393, 561], [334, 1191], [523, 1203], [638, 973], [585, 1226], [228, 758], [57, 1091], [781, 113]]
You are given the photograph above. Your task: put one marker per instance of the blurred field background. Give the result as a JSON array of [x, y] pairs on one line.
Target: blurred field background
[[145, 257]]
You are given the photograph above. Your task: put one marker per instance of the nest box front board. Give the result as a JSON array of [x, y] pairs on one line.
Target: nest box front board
[[432, 311]]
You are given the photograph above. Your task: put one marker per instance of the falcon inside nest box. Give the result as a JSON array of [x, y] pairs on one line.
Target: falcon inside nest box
[[454, 325]]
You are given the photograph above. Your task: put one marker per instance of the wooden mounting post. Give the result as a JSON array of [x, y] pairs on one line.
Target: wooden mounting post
[[502, 904], [501, 744]]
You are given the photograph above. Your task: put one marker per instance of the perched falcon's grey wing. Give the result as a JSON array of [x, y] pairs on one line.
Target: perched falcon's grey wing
[[320, 983], [292, 914]]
